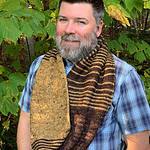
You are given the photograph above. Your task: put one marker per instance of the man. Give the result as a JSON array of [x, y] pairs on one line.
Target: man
[[90, 99]]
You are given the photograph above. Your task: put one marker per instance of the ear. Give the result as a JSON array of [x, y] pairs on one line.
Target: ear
[[99, 28]]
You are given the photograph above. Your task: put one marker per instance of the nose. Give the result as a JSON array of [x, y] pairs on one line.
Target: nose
[[70, 28]]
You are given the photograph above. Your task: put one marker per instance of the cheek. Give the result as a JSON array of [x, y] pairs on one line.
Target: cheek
[[59, 30]]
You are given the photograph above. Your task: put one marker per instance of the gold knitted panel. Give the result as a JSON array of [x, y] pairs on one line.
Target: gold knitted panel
[[50, 120]]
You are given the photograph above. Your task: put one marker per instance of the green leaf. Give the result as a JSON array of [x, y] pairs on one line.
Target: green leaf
[[115, 45], [16, 64], [146, 48], [107, 19], [40, 45], [17, 79], [2, 69], [36, 3], [2, 2], [2, 90], [8, 106], [127, 43], [53, 4], [129, 4], [25, 13], [51, 28], [138, 5], [5, 71], [8, 30], [26, 28], [131, 47], [6, 124], [10, 5], [140, 57], [146, 4], [11, 88], [12, 50], [36, 27], [37, 15]]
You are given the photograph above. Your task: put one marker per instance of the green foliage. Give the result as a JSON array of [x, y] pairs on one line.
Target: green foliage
[[139, 50], [10, 89], [146, 4], [17, 20], [136, 52]]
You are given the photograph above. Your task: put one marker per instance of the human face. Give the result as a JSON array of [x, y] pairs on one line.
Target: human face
[[77, 31]]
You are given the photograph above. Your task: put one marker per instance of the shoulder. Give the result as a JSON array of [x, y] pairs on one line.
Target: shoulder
[[122, 67], [123, 70], [35, 64]]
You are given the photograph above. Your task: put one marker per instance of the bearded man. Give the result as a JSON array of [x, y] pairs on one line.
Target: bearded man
[[79, 96]]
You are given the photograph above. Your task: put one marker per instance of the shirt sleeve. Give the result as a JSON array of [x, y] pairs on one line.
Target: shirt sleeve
[[133, 111], [24, 102]]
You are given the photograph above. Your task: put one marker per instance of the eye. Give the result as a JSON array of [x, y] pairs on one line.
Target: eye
[[62, 20], [81, 22]]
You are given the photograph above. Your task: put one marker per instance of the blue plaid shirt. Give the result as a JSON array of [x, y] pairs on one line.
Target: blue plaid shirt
[[128, 114]]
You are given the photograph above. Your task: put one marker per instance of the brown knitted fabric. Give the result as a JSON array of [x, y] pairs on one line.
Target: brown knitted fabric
[[90, 86]]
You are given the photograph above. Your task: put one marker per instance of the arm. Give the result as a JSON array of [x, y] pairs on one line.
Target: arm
[[133, 113], [138, 141], [23, 132]]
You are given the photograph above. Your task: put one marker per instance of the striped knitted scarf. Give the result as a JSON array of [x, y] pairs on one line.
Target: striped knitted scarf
[[67, 111]]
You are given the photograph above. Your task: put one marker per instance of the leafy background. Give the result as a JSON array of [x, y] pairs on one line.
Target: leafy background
[[27, 30]]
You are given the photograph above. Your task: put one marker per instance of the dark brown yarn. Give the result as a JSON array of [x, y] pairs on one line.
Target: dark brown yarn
[[91, 87]]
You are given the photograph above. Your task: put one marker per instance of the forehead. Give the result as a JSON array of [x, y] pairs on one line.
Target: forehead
[[84, 10]]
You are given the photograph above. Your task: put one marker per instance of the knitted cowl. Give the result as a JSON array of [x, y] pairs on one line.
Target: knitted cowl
[[66, 112]]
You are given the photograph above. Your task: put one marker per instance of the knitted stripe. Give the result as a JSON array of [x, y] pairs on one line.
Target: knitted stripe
[[47, 144]]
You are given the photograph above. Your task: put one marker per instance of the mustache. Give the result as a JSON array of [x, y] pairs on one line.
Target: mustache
[[71, 37]]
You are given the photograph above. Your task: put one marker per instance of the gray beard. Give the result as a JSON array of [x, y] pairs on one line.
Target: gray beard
[[74, 54]]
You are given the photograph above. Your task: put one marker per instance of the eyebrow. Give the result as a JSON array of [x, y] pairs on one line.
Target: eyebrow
[[78, 18]]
